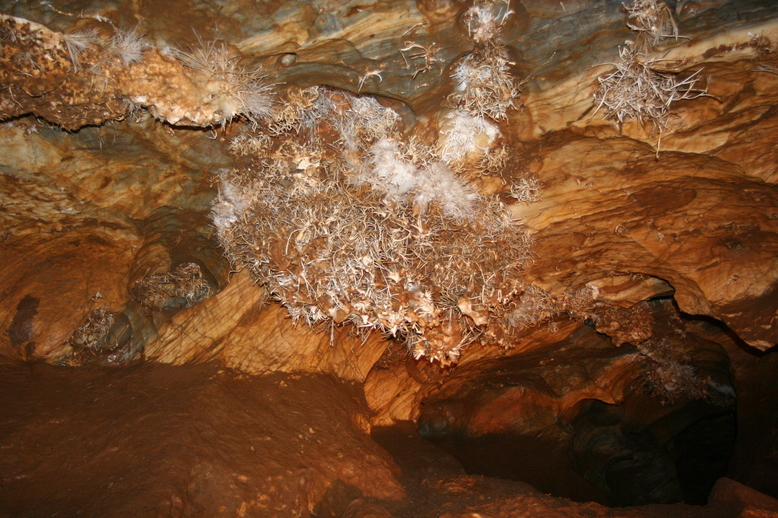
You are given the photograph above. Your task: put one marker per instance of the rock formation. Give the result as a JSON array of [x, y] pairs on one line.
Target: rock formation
[[544, 232]]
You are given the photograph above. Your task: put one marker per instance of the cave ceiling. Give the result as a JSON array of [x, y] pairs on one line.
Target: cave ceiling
[[119, 170], [555, 220]]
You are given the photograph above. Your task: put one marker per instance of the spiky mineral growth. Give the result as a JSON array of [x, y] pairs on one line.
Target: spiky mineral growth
[[463, 135], [92, 333], [78, 42], [652, 22], [186, 281], [128, 46], [666, 376], [369, 229], [484, 84], [234, 89], [635, 90], [485, 19], [526, 189]]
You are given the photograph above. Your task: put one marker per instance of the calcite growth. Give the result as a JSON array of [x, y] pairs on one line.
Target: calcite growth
[[42, 76], [508, 229]]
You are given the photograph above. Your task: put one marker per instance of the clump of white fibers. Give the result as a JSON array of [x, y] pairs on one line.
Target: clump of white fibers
[[392, 173], [364, 121], [370, 230], [129, 46], [482, 24], [78, 42], [484, 83], [485, 19], [637, 90], [231, 88], [463, 135], [229, 205], [441, 185]]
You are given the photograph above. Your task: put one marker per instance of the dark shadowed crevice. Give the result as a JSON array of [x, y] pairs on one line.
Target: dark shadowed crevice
[[516, 418]]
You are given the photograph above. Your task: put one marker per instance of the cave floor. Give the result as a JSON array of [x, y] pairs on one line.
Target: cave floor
[[196, 440], [438, 486]]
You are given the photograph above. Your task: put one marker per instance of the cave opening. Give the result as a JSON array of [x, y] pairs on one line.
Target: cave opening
[[628, 468], [513, 419]]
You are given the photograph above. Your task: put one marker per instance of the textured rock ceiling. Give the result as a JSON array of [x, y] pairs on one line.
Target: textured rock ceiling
[[112, 157], [624, 210]]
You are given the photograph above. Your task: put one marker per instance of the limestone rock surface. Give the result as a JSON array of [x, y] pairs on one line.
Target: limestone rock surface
[[112, 157]]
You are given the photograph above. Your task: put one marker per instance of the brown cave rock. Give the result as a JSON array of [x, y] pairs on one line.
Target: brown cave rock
[[445, 258]]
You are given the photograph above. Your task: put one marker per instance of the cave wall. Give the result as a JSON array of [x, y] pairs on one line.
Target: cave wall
[[107, 179]]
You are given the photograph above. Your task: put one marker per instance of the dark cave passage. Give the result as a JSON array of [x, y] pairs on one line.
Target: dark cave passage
[[606, 461], [593, 422]]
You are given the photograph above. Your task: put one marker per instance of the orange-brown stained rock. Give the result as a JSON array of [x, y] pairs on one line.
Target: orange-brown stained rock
[[397, 385], [40, 78], [534, 503], [532, 392], [742, 501], [610, 211], [610, 207], [157, 440], [671, 218], [236, 327], [54, 275]]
